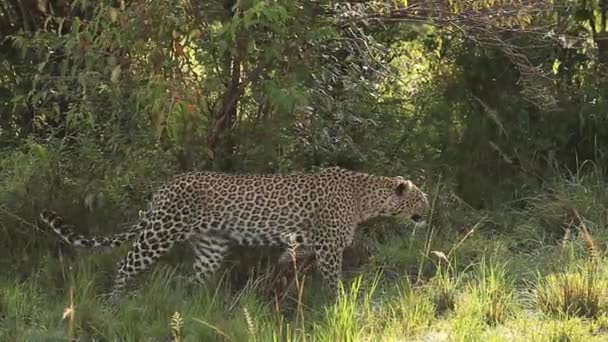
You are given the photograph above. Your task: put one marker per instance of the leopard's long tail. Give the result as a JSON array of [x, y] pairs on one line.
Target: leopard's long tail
[[77, 240]]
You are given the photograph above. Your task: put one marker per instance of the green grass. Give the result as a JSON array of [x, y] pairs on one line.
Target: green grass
[[479, 302], [531, 272]]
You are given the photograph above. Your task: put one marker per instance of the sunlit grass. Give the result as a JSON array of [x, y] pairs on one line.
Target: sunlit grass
[[476, 303], [581, 292]]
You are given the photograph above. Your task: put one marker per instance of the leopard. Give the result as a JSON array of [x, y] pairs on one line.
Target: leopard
[[213, 211]]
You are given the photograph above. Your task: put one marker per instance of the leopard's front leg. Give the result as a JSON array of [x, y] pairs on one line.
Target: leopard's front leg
[[329, 264]]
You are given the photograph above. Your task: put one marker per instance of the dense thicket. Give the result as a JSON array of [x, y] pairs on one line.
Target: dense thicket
[[100, 101]]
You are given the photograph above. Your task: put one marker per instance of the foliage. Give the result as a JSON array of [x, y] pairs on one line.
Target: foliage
[[497, 108]]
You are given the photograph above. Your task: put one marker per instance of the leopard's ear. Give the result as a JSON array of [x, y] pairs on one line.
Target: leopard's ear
[[403, 186]]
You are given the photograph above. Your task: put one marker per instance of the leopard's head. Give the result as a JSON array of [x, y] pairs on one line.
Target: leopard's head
[[404, 199]]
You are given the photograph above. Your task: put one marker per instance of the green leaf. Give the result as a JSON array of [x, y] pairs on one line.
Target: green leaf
[[39, 151], [555, 67]]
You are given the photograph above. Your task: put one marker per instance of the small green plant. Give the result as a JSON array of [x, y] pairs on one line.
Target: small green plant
[[413, 312], [495, 287], [601, 324], [581, 293], [494, 290], [569, 330], [466, 323], [346, 318], [488, 299]]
